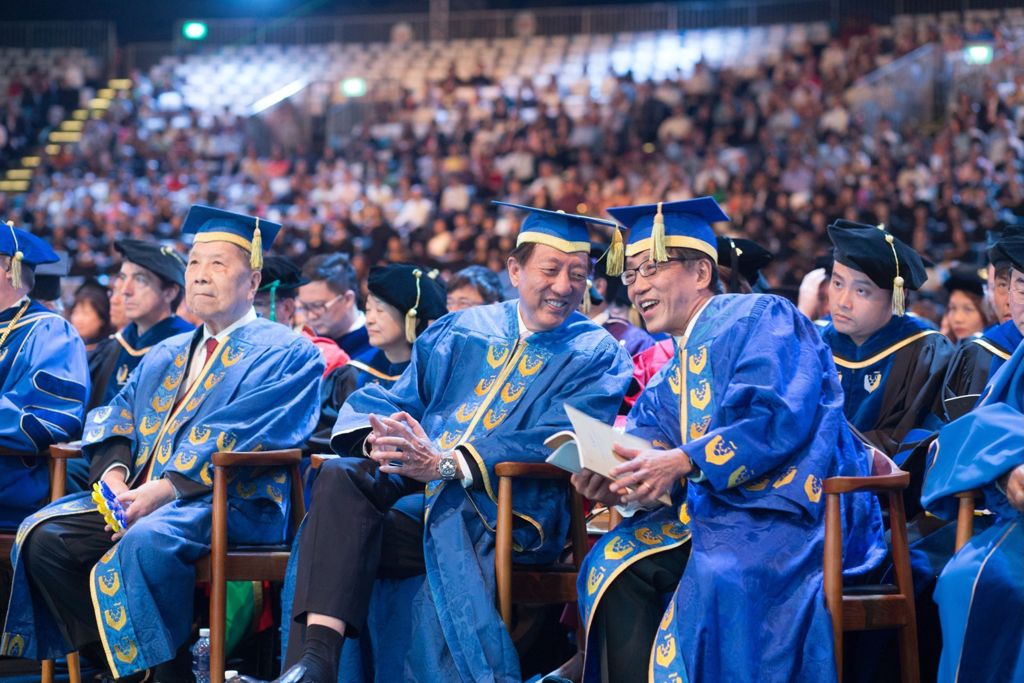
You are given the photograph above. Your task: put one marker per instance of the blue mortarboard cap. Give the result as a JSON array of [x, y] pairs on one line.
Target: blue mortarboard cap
[[566, 232], [683, 224], [217, 225], [34, 251], [24, 247]]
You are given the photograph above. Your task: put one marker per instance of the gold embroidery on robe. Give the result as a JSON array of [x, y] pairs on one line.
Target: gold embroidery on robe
[[666, 650], [698, 360], [110, 583], [198, 435], [698, 428], [812, 487], [227, 359], [718, 452], [496, 361], [618, 549], [116, 617], [700, 396], [526, 368]]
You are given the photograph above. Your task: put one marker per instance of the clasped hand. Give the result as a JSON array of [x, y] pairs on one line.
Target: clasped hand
[[646, 476], [400, 446], [137, 502]]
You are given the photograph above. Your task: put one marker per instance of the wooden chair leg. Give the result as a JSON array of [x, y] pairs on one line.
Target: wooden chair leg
[[74, 668], [218, 579], [47, 671], [910, 671], [503, 551], [964, 519], [834, 575]]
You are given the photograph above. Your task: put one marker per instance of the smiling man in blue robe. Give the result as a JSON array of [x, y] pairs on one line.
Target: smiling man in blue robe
[[237, 383], [745, 423], [407, 515], [43, 373]]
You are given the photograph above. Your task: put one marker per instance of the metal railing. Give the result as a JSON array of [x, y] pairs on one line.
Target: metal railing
[[293, 30], [99, 38]]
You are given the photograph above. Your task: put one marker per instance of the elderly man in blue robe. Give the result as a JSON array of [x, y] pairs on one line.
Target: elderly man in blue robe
[[237, 383], [744, 422], [43, 372], [980, 592], [407, 515]]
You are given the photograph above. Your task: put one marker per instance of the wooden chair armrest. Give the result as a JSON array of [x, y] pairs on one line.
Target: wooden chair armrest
[[318, 459], [290, 456], [531, 470], [876, 484], [65, 451]]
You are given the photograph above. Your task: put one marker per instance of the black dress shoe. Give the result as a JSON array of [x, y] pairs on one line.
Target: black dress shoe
[[296, 674]]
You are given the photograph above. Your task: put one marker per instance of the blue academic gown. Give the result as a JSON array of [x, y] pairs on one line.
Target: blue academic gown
[[132, 346], [45, 379], [980, 592], [976, 361], [375, 368], [260, 391], [754, 400], [892, 382], [474, 385]]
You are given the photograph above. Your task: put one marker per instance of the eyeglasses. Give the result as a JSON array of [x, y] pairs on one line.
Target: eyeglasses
[[318, 308], [648, 269]]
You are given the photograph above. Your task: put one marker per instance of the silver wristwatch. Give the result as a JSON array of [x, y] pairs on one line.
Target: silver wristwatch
[[447, 467]]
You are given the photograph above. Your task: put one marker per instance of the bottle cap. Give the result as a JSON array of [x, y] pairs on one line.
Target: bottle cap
[[204, 633]]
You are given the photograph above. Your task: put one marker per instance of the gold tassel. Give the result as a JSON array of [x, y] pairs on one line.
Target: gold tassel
[[899, 295], [588, 303], [256, 255], [16, 259], [658, 252], [615, 259], [410, 315]]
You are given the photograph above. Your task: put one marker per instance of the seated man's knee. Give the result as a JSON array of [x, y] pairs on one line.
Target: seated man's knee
[[45, 540], [343, 474]]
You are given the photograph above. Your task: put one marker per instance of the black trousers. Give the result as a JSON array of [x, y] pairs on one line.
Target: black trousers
[[59, 554], [627, 619], [352, 535]]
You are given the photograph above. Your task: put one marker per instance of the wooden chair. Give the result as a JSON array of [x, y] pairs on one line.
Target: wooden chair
[[529, 584], [58, 467], [226, 563], [882, 607], [251, 563]]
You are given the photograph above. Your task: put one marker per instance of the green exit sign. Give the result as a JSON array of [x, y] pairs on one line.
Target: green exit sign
[[193, 30]]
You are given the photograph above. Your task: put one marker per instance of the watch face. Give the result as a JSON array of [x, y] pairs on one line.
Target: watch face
[[446, 467]]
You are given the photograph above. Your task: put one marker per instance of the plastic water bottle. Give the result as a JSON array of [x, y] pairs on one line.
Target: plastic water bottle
[[201, 657]]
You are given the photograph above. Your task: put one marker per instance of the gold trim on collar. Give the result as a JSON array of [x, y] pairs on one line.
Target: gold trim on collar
[[359, 365], [860, 365], [564, 245], [136, 353], [991, 348]]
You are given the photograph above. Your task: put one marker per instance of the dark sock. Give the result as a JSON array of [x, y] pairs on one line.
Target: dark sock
[[322, 650]]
